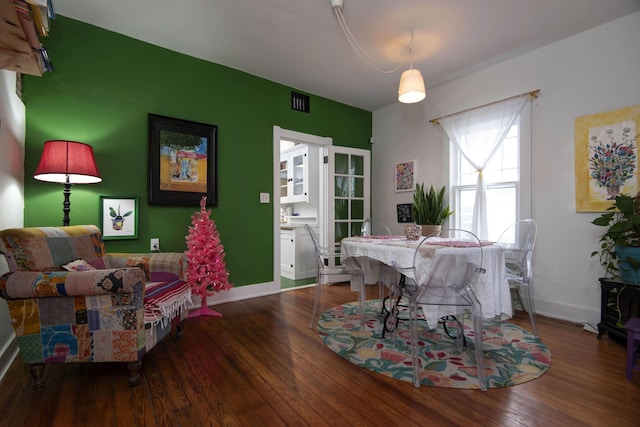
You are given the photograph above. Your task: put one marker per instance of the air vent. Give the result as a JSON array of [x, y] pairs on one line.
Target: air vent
[[299, 102]]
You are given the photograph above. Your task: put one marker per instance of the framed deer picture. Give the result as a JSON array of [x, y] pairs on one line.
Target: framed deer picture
[[119, 217]]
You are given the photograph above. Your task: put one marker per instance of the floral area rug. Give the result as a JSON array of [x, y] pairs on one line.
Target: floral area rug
[[512, 355]]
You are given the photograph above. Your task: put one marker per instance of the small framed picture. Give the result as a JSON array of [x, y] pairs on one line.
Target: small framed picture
[[405, 173], [119, 217], [405, 212]]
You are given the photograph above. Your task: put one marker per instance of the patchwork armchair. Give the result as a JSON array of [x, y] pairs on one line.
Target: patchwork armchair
[[70, 301]]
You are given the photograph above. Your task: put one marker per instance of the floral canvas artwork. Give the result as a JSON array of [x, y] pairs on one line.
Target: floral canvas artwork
[[613, 161], [405, 175], [606, 157]]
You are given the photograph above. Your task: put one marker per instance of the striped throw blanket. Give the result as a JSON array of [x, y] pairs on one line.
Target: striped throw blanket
[[163, 300]]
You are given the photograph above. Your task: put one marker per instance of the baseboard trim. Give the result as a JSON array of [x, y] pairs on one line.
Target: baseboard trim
[[239, 293], [7, 355], [572, 313]]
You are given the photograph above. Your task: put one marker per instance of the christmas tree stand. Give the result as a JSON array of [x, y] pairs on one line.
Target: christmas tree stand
[[204, 310]]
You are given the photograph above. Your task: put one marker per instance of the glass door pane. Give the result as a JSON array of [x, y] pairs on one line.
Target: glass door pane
[[284, 178], [298, 175], [349, 195]]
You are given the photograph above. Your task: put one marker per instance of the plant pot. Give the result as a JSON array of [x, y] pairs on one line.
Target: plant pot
[[629, 263], [428, 230]]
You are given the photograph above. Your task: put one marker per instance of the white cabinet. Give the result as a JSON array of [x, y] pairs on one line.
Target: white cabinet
[[287, 252], [299, 175], [297, 257]]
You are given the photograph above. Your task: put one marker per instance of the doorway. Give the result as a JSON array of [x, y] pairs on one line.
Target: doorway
[[299, 198], [335, 211]]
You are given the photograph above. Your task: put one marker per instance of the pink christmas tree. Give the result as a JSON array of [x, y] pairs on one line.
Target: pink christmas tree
[[207, 272]]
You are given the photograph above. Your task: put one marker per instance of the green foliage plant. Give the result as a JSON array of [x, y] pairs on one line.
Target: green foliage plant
[[622, 222], [429, 207]]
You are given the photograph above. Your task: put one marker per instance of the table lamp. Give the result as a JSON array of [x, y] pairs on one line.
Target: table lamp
[[67, 162]]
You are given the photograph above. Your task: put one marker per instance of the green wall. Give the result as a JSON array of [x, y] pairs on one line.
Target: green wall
[[100, 93]]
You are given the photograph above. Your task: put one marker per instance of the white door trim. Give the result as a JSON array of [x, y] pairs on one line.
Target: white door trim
[[305, 138]]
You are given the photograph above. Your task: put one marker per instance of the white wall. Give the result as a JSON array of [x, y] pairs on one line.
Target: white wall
[[592, 72], [12, 129]]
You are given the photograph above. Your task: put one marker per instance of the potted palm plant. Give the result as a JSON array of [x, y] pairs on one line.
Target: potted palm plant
[[620, 243], [429, 209]]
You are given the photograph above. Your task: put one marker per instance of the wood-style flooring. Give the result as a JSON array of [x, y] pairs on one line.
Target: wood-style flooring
[[260, 365]]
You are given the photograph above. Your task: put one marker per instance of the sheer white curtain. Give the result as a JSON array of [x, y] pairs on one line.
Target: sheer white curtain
[[478, 133]]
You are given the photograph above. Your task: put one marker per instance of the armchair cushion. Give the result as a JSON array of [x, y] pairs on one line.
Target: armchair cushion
[[48, 248], [165, 266]]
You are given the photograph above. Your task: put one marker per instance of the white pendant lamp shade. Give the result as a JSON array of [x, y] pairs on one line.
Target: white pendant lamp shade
[[411, 88]]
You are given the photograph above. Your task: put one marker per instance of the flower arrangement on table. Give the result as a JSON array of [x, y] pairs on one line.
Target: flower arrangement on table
[[612, 163]]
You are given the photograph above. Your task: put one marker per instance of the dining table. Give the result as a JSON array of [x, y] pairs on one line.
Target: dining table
[[383, 259]]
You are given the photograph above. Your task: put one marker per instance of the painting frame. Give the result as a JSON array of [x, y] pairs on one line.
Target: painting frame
[[404, 212], [405, 176], [594, 134], [126, 207], [183, 164]]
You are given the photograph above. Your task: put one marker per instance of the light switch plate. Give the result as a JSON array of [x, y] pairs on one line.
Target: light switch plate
[[264, 197]]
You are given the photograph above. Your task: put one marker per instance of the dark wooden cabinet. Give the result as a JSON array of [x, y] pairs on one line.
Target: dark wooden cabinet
[[620, 302]]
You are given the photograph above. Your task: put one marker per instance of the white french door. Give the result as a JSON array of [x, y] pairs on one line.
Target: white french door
[[348, 193]]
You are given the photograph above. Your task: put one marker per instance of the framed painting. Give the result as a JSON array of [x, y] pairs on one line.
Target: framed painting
[[405, 212], [606, 163], [405, 173], [119, 217], [182, 162]]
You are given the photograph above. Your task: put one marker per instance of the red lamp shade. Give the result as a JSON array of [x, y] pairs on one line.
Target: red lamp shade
[[67, 159]]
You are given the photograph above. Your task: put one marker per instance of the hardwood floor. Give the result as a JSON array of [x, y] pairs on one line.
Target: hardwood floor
[[261, 365]]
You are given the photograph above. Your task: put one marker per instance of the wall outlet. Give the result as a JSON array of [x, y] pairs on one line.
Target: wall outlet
[[154, 245], [264, 197]]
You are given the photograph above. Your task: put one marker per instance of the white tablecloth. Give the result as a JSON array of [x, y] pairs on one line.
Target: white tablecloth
[[380, 257]]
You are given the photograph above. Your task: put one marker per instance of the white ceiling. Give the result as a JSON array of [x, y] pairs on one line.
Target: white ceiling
[[298, 42]]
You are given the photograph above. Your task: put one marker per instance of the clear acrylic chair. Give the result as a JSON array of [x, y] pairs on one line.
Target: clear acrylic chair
[[441, 284], [327, 273], [518, 242], [371, 227]]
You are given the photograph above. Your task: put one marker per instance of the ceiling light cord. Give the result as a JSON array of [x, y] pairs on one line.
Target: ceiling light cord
[[365, 56], [410, 51]]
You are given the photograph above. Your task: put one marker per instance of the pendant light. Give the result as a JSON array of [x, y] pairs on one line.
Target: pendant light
[[411, 88]]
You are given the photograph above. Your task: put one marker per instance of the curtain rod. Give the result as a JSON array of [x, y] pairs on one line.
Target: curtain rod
[[533, 94]]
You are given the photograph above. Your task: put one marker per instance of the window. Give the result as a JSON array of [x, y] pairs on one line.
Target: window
[[502, 177]]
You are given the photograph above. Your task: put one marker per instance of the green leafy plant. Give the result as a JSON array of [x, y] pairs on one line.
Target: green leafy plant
[[429, 207], [622, 222]]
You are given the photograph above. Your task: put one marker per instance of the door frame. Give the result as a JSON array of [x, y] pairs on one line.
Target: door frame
[[304, 138]]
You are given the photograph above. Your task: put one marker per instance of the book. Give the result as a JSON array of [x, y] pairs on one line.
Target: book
[[38, 20], [26, 21], [50, 11], [46, 60], [38, 2]]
